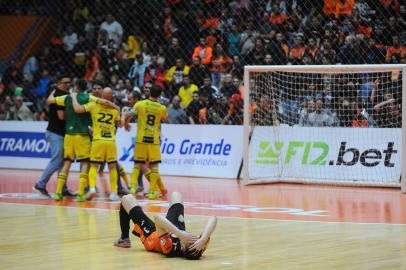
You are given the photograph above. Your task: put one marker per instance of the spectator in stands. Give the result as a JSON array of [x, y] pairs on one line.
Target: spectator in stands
[[387, 113], [319, 118], [203, 51], [247, 38], [351, 52], [186, 91], [396, 51], [235, 112], [198, 72], [264, 113], [70, 39], [20, 111], [233, 40], [326, 52], [173, 52], [174, 77], [374, 55], [228, 89], [137, 71], [298, 50], [193, 109], [361, 117], [31, 67], [209, 90], [176, 113], [146, 53], [257, 54], [236, 69], [307, 109], [155, 72], [113, 28], [218, 65]]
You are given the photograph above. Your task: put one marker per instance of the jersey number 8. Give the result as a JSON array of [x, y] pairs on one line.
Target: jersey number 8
[[150, 119]]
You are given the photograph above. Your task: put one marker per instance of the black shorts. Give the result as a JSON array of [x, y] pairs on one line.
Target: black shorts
[[176, 216]]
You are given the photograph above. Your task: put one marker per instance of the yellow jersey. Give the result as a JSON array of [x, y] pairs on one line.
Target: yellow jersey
[[150, 113], [104, 121]]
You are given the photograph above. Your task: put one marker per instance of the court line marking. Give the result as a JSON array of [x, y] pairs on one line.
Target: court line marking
[[224, 217]]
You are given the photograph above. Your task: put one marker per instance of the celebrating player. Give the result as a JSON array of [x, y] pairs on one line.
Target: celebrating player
[[77, 140], [104, 122], [150, 113], [167, 235]]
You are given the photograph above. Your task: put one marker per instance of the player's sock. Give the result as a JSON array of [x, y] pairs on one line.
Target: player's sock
[[134, 178], [154, 175], [161, 185], [124, 223], [113, 180], [83, 179], [61, 182], [148, 176], [92, 177], [123, 174]]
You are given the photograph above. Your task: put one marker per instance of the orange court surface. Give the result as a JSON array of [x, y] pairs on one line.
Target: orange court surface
[[273, 226]]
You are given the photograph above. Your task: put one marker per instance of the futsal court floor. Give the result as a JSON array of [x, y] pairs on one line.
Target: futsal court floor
[[275, 226]]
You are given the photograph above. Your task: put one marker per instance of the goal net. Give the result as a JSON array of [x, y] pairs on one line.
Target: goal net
[[323, 124]]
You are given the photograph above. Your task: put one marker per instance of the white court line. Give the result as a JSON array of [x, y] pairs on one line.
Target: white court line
[[223, 217]]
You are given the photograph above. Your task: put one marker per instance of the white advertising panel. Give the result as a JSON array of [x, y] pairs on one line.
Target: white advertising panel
[[198, 150], [349, 154]]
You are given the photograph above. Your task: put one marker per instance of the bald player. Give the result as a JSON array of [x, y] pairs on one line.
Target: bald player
[[104, 122]]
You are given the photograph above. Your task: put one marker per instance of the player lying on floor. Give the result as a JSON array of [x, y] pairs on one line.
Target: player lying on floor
[[166, 235]]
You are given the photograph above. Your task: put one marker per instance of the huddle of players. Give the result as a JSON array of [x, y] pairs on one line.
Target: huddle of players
[[103, 116]]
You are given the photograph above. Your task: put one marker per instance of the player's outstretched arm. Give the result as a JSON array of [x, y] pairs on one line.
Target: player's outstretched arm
[[201, 243], [51, 99], [107, 103], [164, 225]]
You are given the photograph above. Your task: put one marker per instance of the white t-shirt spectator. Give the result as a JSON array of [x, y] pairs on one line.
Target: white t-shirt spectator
[[70, 40], [114, 30]]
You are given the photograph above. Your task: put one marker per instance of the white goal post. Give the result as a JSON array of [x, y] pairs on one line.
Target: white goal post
[[325, 124]]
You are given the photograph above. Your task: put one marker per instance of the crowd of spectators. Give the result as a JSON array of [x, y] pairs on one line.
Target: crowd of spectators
[[196, 51]]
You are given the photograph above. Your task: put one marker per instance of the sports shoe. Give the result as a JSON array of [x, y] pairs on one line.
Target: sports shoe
[[164, 192], [123, 191], [42, 191], [122, 243], [58, 197], [67, 193], [80, 198], [132, 190], [91, 194], [152, 195], [114, 197], [139, 189]]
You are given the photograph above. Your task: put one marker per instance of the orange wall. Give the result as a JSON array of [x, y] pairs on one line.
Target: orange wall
[[12, 30]]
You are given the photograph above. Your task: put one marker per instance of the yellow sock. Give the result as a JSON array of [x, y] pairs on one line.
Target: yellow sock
[[123, 174], [134, 177], [154, 175], [113, 180], [83, 179], [61, 182], [148, 176], [161, 184], [92, 177]]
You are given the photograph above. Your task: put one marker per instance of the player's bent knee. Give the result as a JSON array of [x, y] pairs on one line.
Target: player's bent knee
[[128, 202], [176, 197]]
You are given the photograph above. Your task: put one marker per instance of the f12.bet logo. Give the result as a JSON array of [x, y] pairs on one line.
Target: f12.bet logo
[[317, 153]]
